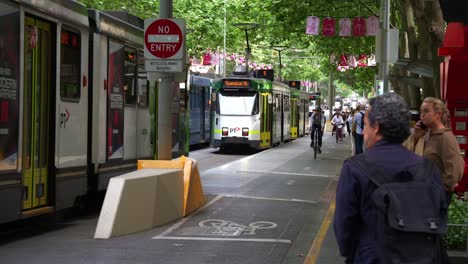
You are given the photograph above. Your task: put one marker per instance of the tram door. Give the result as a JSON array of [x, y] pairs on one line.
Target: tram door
[[36, 112], [266, 116]]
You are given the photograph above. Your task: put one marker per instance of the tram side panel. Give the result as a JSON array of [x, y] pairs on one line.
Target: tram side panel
[[71, 115], [136, 134], [195, 115], [199, 103], [145, 145], [10, 85], [286, 118], [43, 97], [277, 114]]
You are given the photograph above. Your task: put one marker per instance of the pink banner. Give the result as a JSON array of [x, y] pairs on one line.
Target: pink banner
[[345, 27], [372, 25], [313, 24], [359, 27], [328, 26]]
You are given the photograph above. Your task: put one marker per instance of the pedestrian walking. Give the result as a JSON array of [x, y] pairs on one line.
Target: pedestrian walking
[[358, 124]]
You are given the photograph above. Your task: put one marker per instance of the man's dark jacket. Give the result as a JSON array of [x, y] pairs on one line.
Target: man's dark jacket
[[355, 214]]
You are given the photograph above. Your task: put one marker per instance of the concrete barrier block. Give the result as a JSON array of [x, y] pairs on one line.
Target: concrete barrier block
[[140, 200], [169, 198], [161, 164], [194, 197]]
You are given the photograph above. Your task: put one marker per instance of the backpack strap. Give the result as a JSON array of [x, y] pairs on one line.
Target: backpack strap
[[412, 173], [370, 170]]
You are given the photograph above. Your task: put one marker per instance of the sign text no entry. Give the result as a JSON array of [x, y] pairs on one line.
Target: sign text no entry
[[164, 39]]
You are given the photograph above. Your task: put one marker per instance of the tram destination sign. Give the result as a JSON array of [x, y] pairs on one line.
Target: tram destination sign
[[236, 84], [164, 44]]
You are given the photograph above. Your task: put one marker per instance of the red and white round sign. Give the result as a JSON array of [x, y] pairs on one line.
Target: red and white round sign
[[163, 39]]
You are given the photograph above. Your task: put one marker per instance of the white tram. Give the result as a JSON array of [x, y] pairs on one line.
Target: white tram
[[255, 112]]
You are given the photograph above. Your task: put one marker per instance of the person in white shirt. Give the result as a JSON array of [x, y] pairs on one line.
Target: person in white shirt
[[338, 122], [317, 121]]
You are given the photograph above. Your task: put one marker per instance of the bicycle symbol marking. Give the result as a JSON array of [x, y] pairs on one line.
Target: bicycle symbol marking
[[223, 227]]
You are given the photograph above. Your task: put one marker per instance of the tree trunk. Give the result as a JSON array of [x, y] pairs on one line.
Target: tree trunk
[[413, 43], [428, 17]]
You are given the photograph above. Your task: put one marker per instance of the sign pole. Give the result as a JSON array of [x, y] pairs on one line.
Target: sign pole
[[165, 99], [385, 29]]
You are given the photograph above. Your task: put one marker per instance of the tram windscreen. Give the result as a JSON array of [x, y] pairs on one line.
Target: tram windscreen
[[237, 103]]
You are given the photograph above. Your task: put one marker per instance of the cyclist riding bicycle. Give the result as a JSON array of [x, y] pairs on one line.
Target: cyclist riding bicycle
[[317, 121], [339, 124]]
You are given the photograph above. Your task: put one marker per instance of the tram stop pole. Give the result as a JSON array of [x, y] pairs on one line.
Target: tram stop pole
[[165, 99]]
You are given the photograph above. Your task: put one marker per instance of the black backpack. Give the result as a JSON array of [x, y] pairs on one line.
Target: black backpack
[[412, 213], [362, 120]]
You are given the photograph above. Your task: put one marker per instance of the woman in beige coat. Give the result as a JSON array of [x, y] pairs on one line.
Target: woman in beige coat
[[434, 140]]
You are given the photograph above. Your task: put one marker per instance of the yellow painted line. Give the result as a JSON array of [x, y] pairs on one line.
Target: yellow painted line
[[314, 251]]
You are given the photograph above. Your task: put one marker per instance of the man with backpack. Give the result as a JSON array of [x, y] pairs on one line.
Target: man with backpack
[[390, 203], [358, 129], [317, 121]]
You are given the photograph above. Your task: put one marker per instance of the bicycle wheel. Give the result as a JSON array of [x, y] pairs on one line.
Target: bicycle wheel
[[316, 135]]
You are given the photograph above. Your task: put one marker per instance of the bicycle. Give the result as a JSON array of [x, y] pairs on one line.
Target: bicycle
[[316, 140], [339, 132]]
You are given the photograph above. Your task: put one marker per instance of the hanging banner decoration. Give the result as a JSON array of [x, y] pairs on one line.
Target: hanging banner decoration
[[344, 27], [207, 58], [362, 60], [215, 59], [359, 27], [352, 61], [371, 60], [328, 27], [343, 64], [372, 26], [313, 25]]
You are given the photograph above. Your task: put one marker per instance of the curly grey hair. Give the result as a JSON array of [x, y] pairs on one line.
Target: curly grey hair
[[392, 114]]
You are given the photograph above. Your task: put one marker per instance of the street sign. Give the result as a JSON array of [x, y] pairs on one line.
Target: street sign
[[163, 65], [164, 39]]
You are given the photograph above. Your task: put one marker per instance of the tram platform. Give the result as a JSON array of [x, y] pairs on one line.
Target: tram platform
[[275, 206]]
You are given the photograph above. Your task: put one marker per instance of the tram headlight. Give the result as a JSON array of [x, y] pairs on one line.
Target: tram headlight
[[245, 132], [225, 131]]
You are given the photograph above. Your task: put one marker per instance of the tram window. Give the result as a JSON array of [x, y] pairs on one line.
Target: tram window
[[238, 104], [70, 65], [142, 82], [130, 91]]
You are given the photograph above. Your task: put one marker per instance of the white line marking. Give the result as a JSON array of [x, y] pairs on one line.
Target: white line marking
[[285, 173], [183, 220], [287, 241], [267, 198]]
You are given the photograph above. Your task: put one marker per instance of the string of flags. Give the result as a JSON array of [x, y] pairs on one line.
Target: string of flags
[[346, 62], [357, 27]]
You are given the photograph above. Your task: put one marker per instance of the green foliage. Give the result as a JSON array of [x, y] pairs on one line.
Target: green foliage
[[280, 23], [457, 236]]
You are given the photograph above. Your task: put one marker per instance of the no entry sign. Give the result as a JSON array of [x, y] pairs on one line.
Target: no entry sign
[[164, 39]]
